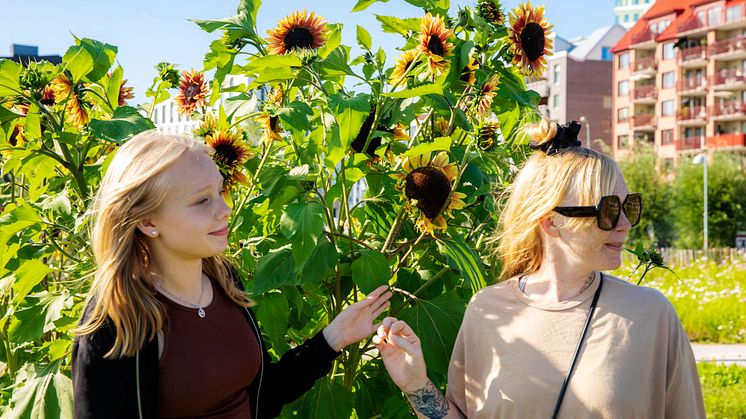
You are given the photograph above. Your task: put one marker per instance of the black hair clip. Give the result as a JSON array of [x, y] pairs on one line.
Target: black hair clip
[[566, 137]]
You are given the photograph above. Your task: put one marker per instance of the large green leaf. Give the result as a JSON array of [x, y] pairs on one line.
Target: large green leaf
[[296, 115], [263, 63], [113, 84], [89, 59], [37, 315], [17, 219], [370, 270], [463, 258], [439, 144], [302, 223], [336, 64], [272, 312], [364, 4], [436, 322], [327, 400], [124, 123], [350, 114], [28, 275], [391, 24], [43, 391], [425, 89], [10, 72], [242, 24], [274, 270], [363, 37], [321, 262]]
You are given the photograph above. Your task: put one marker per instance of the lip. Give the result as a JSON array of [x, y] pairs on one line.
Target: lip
[[615, 246], [223, 232]]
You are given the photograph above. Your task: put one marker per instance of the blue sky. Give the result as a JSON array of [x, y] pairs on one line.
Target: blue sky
[[147, 32]]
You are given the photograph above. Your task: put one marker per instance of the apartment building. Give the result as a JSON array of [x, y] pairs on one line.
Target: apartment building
[[679, 80], [628, 12]]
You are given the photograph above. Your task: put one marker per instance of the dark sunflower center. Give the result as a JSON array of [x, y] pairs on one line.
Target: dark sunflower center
[[298, 38], [430, 187], [435, 45], [191, 92], [226, 153], [532, 40], [273, 122]]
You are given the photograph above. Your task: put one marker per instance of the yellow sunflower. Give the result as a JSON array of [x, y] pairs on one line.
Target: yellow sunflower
[[486, 95], [426, 183], [434, 42], [230, 154], [207, 126], [400, 132], [192, 92], [76, 107], [47, 96], [271, 126], [487, 136], [125, 93], [276, 96], [491, 11], [297, 32], [404, 64], [529, 39], [469, 73]]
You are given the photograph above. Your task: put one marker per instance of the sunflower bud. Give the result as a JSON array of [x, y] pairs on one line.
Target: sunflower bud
[[490, 11], [32, 78], [168, 73]]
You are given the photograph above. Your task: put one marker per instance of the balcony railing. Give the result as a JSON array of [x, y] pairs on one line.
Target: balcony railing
[[642, 37], [645, 63], [729, 108], [728, 46], [690, 83], [727, 140], [695, 113], [725, 78], [645, 92], [693, 54], [643, 120], [689, 143]]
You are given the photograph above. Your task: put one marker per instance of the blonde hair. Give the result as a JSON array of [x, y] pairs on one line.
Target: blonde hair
[[542, 184], [123, 292]]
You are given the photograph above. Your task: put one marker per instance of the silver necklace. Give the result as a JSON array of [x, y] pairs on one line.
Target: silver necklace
[[523, 280], [200, 310]]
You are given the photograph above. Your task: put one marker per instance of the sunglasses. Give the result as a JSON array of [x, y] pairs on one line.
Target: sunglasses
[[608, 211]]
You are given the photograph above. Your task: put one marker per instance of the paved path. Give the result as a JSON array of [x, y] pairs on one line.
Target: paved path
[[726, 354]]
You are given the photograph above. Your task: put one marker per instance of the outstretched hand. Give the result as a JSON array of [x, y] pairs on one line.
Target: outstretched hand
[[402, 355], [356, 321]]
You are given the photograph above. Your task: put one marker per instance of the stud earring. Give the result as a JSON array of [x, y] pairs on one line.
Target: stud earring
[[154, 233]]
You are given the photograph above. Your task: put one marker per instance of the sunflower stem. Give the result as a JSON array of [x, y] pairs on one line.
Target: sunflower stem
[[394, 232], [409, 252], [248, 193], [346, 206]]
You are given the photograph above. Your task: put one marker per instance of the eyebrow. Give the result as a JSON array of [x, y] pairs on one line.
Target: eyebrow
[[209, 186]]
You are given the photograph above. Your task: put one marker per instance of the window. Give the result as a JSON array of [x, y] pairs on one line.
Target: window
[[624, 60], [713, 16], [606, 54], [667, 136], [626, 18], [667, 108], [733, 13], [622, 141], [668, 80], [556, 74], [556, 101], [623, 88], [622, 114], [668, 51], [636, 16]]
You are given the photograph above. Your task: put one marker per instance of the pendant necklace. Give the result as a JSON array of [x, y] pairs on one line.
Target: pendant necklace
[[200, 310]]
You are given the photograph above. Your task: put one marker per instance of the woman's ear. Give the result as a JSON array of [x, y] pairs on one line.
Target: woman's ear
[[549, 226], [147, 227]]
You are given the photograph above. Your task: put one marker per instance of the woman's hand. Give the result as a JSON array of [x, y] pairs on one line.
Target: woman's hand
[[356, 321], [400, 349]]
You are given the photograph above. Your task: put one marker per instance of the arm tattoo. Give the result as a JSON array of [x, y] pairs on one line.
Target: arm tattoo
[[429, 401]]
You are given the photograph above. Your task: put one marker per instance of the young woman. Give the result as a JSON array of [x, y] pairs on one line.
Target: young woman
[[558, 338], [168, 330]]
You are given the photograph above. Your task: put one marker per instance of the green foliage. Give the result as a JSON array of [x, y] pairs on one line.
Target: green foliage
[[724, 390]]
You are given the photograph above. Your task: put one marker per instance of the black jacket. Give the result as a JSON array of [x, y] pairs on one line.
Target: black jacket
[[127, 387]]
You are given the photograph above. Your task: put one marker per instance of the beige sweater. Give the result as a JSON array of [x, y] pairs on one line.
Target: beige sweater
[[512, 354]]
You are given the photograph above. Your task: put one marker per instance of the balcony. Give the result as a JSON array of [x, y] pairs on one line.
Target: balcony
[[734, 18], [729, 80], [693, 57], [644, 122], [645, 94], [645, 65], [727, 141], [733, 110], [691, 26], [691, 86], [729, 49], [692, 116], [689, 143], [644, 40]]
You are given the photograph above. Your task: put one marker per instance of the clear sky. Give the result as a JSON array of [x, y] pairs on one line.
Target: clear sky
[[147, 32]]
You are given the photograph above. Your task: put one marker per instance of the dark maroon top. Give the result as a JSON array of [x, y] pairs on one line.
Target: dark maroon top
[[207, 363]]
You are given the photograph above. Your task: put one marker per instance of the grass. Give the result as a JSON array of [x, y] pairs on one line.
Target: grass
[[724, 389], [709, 298]]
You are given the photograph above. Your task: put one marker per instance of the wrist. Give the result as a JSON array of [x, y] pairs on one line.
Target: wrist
[[416, 385], [333, 340]]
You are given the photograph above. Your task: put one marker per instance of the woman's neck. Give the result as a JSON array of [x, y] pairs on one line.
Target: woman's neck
[[183, 278], [552, 283]]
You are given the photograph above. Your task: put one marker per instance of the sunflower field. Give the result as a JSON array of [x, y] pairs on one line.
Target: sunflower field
[[344, 173]]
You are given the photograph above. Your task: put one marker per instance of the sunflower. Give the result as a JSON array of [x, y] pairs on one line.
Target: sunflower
[[404, 64], [297, 32], [276, 96], [271, 126], [469, 73], [76, 107], [207, 126], [434, 42], [125, 93], [441, 127], [486, 95], [529, 39], [230, 155], [192, 92], [47, 96], [487, 136], [400, 132], [426, 184], [491, 11]]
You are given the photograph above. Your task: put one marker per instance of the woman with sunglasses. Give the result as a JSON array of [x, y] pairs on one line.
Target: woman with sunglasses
[[557, 337]]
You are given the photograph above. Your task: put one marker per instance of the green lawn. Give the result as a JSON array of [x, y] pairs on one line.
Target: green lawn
[[724, 389]]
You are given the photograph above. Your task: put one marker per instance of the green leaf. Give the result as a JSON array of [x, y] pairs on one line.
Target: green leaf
[[350, 114], [6, 115], [404, 27], [42, 391], [321, 262], [113, 85], [463, 258], [274, 270], [370, 270], [272, 312], [16, 220], [37, 315], [364, 4], [10, 72], [33, 122], [425, 89], [436, 322], [302, 223], [89, 59], [363, 36], [297, 115], [327, 400], [336, 64], [333, 40], [28, 275], [39, 169], [260, 64], [439, 144], [124, 123]]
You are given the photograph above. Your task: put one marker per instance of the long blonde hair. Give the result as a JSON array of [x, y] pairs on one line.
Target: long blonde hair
[[123, 292], [542, 184]]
